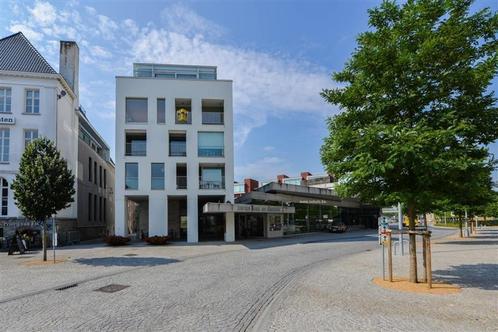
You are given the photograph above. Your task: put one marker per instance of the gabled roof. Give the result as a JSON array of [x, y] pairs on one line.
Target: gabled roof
[[18, 54]]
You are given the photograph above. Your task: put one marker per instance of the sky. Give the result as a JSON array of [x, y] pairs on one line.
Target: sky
[[279, 54]]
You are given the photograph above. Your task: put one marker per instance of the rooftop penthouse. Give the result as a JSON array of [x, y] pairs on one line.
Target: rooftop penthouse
[[174, 71]]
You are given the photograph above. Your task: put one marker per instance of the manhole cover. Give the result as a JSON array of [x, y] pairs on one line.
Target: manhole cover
[[112, 288], [130, 255]]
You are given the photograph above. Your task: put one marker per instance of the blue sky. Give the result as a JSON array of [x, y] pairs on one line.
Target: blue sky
[[279, 54]]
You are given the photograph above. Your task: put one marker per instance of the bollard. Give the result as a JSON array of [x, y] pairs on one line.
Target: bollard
[[390, 256]]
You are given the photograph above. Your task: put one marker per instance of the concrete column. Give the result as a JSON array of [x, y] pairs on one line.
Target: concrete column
[[192, 219], [158, 214], [229, 227], [120, 216]]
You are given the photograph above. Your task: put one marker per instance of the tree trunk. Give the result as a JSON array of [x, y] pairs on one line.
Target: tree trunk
[[413, 244], [460, 225], [44, 241]]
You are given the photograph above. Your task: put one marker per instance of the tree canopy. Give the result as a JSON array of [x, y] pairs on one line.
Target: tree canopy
[[44, 185], [417, 113]]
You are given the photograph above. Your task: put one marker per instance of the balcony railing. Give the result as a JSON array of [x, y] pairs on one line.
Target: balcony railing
[[211, 151], [131, 183], [136, 148], [212, 118], [177, 148], [211, 183], [181, 182]]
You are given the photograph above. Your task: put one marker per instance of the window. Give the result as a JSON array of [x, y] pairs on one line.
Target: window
[[90, 169], [32, 101], [212, 177], [136, 110], [4, 144], [100, 209], [30, 135], [131, 176], [178, 144], [94, 207], [89, 207], [210, 144], [183, 111], [100, 176], [5, 196], [95, 172], [5, 100], [161, 110], [157, 176], [105, 179], [105, 209], [212, 111], [136, 144]]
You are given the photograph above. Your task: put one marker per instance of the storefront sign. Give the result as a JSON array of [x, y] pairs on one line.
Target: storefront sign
[[7, 120]]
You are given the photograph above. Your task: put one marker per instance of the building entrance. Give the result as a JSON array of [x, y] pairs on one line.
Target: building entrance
[[249, 226]]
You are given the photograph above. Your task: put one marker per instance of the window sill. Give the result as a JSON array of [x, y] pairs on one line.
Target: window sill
[[5, 112], [25, 113], [4, 162]]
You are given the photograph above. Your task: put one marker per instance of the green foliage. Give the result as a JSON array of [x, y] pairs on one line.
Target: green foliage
[[417, 114], [44, 184]]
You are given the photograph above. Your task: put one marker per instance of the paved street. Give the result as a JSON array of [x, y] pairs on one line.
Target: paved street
[[312, 282]]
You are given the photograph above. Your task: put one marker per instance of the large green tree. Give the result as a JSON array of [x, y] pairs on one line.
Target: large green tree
[[417, 113], [44, 185]]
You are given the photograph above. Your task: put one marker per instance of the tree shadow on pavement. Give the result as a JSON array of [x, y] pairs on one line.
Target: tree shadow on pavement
[[482, 276], [125, 261]]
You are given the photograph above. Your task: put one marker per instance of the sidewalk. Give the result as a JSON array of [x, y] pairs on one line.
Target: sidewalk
[[339, 296]]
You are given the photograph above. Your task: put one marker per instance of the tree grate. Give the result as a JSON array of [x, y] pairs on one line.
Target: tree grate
[[112, 288]]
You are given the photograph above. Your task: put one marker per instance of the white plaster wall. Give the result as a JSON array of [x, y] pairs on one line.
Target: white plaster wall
[[157, 146], [46, 124]]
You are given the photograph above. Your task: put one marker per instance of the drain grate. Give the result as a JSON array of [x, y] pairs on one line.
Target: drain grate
[[112, 288], [66, 287], [130, 255]]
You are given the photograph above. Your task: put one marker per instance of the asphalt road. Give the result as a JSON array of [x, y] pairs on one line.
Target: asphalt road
[[213, 292]]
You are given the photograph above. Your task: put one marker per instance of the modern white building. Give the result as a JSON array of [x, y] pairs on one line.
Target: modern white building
[[174, 152], [35, 101]]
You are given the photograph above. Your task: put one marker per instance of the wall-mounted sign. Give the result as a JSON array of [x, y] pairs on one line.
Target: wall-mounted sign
[[7, 120]]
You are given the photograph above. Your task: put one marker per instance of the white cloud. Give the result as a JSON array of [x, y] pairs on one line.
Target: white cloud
[[268, 148], [31, 34], [43, 13], [106, 27], [263, 169], [100, 52], [183, 20]]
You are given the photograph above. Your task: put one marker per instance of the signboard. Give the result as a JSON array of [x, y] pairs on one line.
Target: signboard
[[7, 120], [383, 229]]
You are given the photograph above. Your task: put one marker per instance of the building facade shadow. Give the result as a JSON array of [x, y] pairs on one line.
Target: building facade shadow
[[482, 276]]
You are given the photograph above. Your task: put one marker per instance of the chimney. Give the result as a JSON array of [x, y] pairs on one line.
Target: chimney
[[69, 64], [250, 185], [281, 177], [304, 175]]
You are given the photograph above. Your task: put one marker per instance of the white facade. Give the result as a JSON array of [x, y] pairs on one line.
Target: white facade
[[201, 164], [56, 119]]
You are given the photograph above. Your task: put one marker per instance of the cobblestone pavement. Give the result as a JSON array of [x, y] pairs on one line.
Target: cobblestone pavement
[[339, 296], [313, 282]]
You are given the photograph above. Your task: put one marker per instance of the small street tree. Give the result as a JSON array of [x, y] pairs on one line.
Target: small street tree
[[417, 114], [44, 185]]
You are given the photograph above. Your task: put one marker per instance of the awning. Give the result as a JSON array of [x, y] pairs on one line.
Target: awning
[[245, 208]]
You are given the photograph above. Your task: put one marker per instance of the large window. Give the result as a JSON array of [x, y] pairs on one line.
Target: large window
[[90, 169], [136, 110], [212, 177], [5, 100], [5, 196], [161, 110], [212, 111], [131, 176], [157, 176], [90, 200], [178, 144], [32, 101], [4, 144], [211, 144], [136, 144], [29, 136]]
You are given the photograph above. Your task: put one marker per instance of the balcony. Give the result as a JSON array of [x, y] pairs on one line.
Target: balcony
[[208, 183], [181, 182], [136, 144], [213, 118], [212, 112], [177, 144], [211, 151]]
